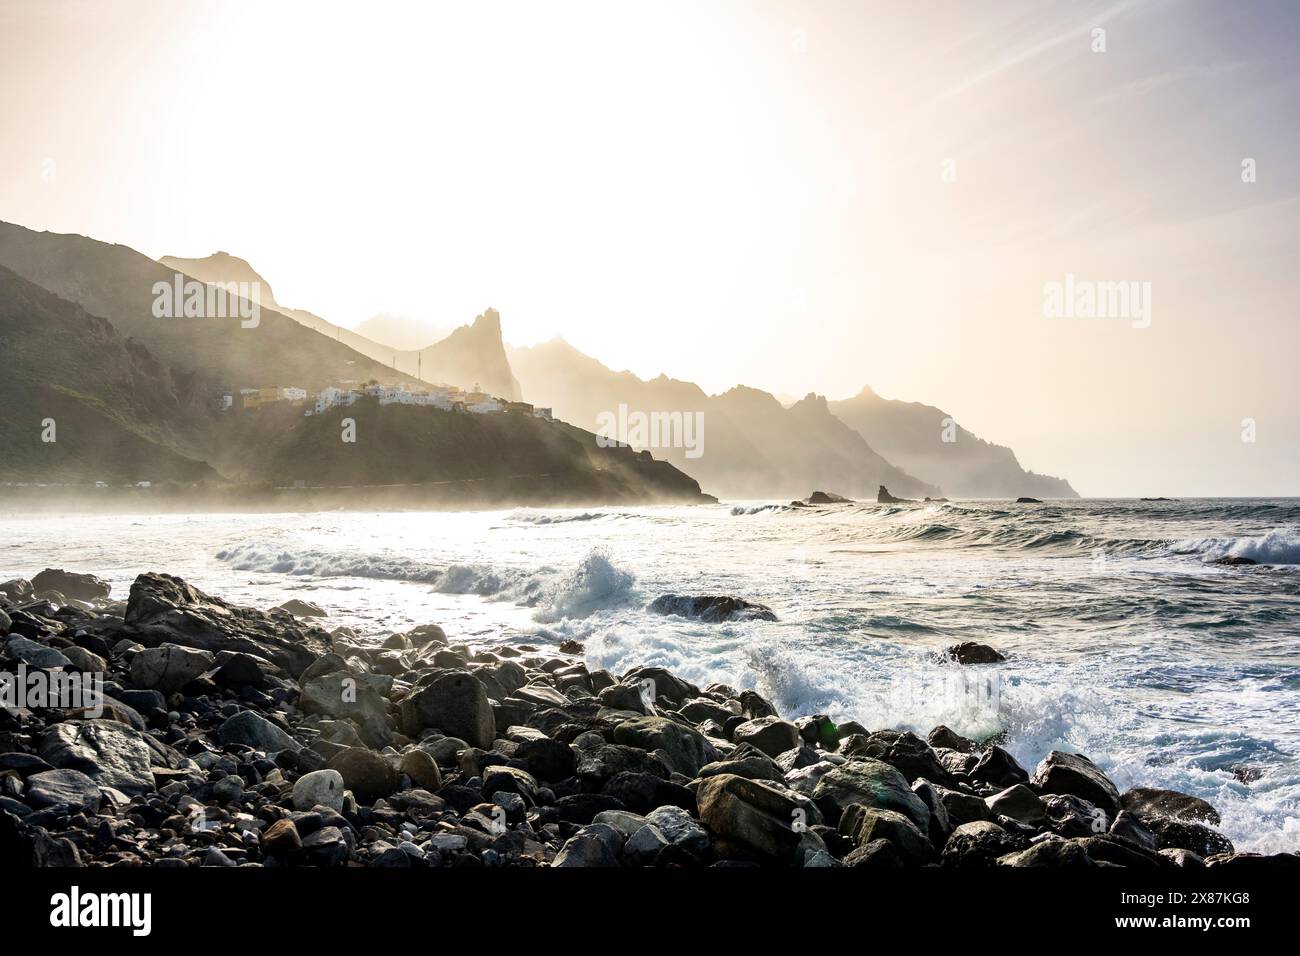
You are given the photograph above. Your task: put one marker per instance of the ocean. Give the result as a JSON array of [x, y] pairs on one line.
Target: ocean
[[1125, 642]]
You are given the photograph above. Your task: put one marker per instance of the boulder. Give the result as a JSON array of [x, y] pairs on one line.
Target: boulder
[[971, 652], [34, 654], [873, 784], [587, 847], [168, 667], [422, 769], [368, 775], [998, 768], [300, 608], [752, 815], [771, 735], [250, 729], [166, 610], [111, 754], [942, 737], [686, 748], [1144, 802], [979, 844], [343, 694], [710, 608], [680, 829], [1051, 853], [1020, 804], [70, 789], [71, 584], [320, 788], [1173, 834], [1075, 774], [867, 824], [454, 703]]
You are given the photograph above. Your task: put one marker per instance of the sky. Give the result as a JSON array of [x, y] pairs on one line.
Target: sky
[[798, 196]]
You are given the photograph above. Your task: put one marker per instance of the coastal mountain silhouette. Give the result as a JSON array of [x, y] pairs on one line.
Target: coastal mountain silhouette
[[137, 397], [753, 447], [912, 435], [470, 356]]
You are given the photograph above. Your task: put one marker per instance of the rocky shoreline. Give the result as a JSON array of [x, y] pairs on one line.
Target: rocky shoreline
[[229, 736]]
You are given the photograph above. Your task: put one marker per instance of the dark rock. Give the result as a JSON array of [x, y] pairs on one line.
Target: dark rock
[[686, 748], [78, 587], [969, 652], [941, 736], [1072, 816], [1077, 775], [771, 735], [111, 754], [866, 825], [586, 848], [163, 609], [1234, 561], [1253, 861], [827, 498], [1188, 835], [753, 815], [250, 729], [878, 854], [999, 768], [583, 807], [1051, 853], [1128, 827], [1019, 803], [168, 667], [980, 844], [873, 784], [71, 790], [281, 839], [454, 703], [883, 497], [1144, 802], [368, 775], [710, 608]]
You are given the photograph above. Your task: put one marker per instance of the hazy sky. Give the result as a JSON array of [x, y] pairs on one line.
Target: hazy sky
[[800, 196]]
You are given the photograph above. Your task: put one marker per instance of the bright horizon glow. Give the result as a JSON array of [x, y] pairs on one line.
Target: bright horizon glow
[[731, 193]]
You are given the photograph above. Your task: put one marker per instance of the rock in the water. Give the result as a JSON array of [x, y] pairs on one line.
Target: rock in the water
[[300, 608], [110, 753], [1173, 834], [250, 729], [872, 784], [711, 608], [970, 652], [827, 498], [1144, 802], [70, 789], [163, 609], [1077, 775], [454, 703], [79, 587], [168, 667], [319, 788]]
